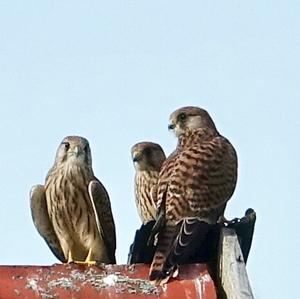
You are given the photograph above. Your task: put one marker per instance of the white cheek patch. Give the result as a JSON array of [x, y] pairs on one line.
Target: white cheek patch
[[136, 165], [194, 122], [178, 131]]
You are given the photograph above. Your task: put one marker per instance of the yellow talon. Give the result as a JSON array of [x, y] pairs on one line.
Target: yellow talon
[[88, 258], [86, 262], [89, 263], [70, 258]]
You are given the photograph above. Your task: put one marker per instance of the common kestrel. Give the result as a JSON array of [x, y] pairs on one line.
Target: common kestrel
[[72, 211], [147, 158], [195, 183]]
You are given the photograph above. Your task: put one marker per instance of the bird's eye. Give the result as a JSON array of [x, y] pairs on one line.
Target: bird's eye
[[66, 145], [182, 116]]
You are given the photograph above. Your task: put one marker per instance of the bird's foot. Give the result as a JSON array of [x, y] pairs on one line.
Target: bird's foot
[[86, 263], [70, 258]]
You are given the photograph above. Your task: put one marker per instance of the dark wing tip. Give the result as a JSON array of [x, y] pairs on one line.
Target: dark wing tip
[[191, 238], [157, 275], [160, 277], [57, 252]]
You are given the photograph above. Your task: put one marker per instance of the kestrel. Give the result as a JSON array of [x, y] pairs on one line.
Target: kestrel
[[147, 158], [195, 183], [72, 211]]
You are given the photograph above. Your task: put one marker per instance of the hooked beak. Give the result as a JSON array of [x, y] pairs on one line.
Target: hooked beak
[[77, 151], [171, 126], [136, 156]]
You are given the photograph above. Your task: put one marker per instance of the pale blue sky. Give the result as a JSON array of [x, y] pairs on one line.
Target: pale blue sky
[[114, 71]]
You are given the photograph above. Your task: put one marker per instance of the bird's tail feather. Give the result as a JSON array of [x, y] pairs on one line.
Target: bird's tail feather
[[190, 238], [165, 241], [176, 244]]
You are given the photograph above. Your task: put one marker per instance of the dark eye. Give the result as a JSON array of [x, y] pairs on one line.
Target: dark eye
[[86, 148], [66, 145], [182, 116]]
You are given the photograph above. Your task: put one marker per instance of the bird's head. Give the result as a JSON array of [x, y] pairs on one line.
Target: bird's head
[[188, 119], [147, 156], [74, 150]]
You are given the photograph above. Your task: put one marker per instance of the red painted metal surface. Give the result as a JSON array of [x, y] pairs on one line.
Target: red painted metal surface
[[111, 281]]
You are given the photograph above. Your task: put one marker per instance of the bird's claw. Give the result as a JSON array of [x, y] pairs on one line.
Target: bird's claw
[[86, 263]]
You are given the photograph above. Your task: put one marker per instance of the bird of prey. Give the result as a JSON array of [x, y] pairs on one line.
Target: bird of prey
[[72, 211], [195, 183], [147, 158]]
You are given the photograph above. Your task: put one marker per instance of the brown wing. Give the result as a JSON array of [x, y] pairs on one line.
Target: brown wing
[[202, 181], [164, 178], [42, 222], [104, 218], [194, 183], [162, 188]]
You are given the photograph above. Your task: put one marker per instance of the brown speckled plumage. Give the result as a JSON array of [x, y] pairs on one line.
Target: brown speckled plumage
[[148, 158], [196, 181], [78, 223]]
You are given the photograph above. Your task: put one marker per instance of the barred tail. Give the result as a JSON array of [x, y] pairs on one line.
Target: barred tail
[[165, 243]]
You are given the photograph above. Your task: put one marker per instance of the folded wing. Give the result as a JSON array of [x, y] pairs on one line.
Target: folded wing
[[104, 218], [42, 222]]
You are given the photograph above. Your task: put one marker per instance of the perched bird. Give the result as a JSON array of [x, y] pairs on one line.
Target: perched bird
[[72, 211], [147, 158], [195, 183]]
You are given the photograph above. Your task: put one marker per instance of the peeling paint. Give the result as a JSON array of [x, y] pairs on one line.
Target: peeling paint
[[110, 281], [17, 277], [33, 284], [91, 277], [65, 283], [131, 268]]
